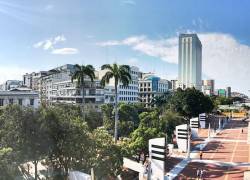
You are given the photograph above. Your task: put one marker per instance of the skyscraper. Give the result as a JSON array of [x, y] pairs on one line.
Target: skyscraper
[[190, 61]]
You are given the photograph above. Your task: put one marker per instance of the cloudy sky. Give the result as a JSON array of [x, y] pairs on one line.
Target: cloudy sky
[[39, 35]]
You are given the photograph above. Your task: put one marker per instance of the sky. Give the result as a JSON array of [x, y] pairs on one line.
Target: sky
[[42, 34]]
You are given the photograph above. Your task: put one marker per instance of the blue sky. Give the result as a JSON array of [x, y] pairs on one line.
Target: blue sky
[[38, 35]]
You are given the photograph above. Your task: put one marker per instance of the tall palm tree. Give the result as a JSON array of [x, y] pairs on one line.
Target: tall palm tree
[[120, 73], [81, 72]]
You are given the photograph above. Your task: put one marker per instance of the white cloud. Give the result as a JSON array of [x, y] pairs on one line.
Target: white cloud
[[65, 51], [50, 44], [129, 2], [224, 58]]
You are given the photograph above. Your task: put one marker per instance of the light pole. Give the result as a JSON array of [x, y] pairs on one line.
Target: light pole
[[188, 137]]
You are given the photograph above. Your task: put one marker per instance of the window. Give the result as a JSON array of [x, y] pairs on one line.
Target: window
[[1, 102], [11, 101], [32, 102], [20, 102]]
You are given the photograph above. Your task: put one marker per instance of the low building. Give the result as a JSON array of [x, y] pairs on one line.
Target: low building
[[20, 96], [151, 86], [11, 84]]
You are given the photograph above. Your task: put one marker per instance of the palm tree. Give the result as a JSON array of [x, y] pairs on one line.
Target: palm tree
[[81, 72], [120, 73]]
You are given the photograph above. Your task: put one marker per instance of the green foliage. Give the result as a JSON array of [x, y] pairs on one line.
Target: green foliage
[[107, 161], [220, 100], [8, 167], [57, 135], [120, 73], [140, 137], [190, 102], [169, 120], [108, 117]]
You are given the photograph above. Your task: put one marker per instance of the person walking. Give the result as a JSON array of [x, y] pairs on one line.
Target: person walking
[[242, 131], [198, 174], [201, 155], [201, 173]]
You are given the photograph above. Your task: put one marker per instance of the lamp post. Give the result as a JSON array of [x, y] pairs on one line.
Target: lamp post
[[188, 137]]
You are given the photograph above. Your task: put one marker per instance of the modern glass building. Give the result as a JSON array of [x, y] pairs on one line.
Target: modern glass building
[[190, 61]]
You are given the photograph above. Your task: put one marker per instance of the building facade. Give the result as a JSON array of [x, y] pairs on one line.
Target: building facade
[[190, 61], [57, 87], [127, 94], [151, 86], [208, 87], [11, 84], [19, 96]]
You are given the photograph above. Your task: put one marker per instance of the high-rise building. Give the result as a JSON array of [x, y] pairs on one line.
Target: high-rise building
[[190, 61], [208, 87], [229, 93]]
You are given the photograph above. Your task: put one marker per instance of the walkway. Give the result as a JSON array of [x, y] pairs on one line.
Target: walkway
[[225, 156]]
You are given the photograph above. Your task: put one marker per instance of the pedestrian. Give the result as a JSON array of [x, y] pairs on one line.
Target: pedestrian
[[242, 131], [200, 155], [198, 173], [201, 173]]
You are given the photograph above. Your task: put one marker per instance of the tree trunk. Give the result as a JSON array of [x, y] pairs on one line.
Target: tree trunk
[[83, 102], [35, 164], [116, 112]]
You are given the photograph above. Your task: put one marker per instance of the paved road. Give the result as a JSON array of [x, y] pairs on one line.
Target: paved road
[[229, 146]]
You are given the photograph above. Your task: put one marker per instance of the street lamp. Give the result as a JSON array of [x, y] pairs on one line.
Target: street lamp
[[188, 137]]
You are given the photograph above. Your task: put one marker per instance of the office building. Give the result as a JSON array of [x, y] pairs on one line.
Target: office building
[[208, 87], [228, 92], [173, 84], [190, 61], [151, 86], [127, 94]]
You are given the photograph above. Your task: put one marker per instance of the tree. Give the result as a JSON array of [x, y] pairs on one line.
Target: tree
[[8, 166], [128, 119], [161, 101], [70, 142], [120, 73], [22, 132], [108, 117], [106, 155], [190, 103], [168, 121], [139, 140], [80, 74]]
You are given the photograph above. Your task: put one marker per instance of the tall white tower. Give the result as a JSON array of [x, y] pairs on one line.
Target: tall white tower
[[190, 61]]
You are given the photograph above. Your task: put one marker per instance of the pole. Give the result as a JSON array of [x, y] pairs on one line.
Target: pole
[[188, 140], [92, 174], [209, 130]]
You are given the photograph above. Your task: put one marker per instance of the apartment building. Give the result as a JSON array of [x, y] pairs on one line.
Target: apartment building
[[57, 87]]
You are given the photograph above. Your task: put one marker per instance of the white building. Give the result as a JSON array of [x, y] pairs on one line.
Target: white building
[[190, 61], [11, 84], [20, 96], [57, 87], [151, 86], [128, 94]]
